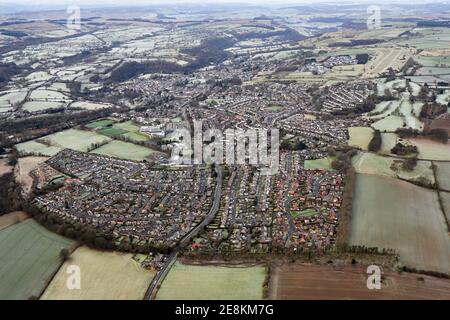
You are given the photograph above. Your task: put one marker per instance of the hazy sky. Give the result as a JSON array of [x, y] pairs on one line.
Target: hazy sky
[[35, 3]]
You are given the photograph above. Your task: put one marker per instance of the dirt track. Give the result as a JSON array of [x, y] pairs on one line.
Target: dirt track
[[305, 281]]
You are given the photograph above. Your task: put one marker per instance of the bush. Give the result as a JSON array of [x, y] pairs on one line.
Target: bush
[[375, 143]]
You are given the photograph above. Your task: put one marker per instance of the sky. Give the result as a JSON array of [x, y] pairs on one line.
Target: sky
[[35, 3]]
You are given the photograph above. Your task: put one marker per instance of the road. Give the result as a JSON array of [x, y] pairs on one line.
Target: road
[[160, 276], [212, 212], [151, 291], [287, 203]]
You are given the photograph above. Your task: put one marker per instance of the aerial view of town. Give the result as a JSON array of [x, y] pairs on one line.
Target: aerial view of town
[[224, 150]]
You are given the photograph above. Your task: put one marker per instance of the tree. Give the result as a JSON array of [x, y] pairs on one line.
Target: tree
[[375, 143], [64, 254]]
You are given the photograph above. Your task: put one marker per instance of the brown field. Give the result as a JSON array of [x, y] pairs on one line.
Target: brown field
[[306, 281], [441, 122], [431, 150], [443, 175], [4, 167], [393, 214], [23, 169], [11, 218], [385, 58]]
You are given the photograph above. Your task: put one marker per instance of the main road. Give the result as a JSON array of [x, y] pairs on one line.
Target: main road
[[188, 237]]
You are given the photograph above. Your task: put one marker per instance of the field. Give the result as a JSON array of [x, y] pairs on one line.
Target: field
[[22, 172], [136, 136], [89, 105], [389, 140], [26, 270], [99, 123], [389, 124], [74, 139], [370, 163], [105, 276], [304, 213], [306, 281], [433, 61], [194, 282], [112, 131], [446, 203], [395, 114], [34, 106], [432, 150], [385, 58], [5, 167], [442, 122], [443, 175], [35, 148], [9, 219], [124, 150], [400, 216], [126, 129], [319, 164], [127, 126], [360, 137], [273, 108]]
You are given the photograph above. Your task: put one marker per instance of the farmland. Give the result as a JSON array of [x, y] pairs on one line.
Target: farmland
[[446, 203], [360, 137], [36, 148], [93, 121], [369, 163], [443, 175], [5, 167], [23, 169], [389, 124], [99, 123], [387, 58], [305, 281], [105, 276], [27, 269], [212, 282], [9, 219], [431, 150], [74, 139], [124, 150], [394, 221]]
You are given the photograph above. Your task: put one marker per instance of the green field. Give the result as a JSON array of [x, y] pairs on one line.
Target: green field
[[126, 129], [136, 136], [29, 256], [319, 164], [189, 282], [370, 163], [124, 150], [112, 131], [389, 213], [433, 61], [304, 213], [74, 139], [129, 126], [445, 196], [389, 124], [35, 148], [99, 123], [273, 108], [443, 174]]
